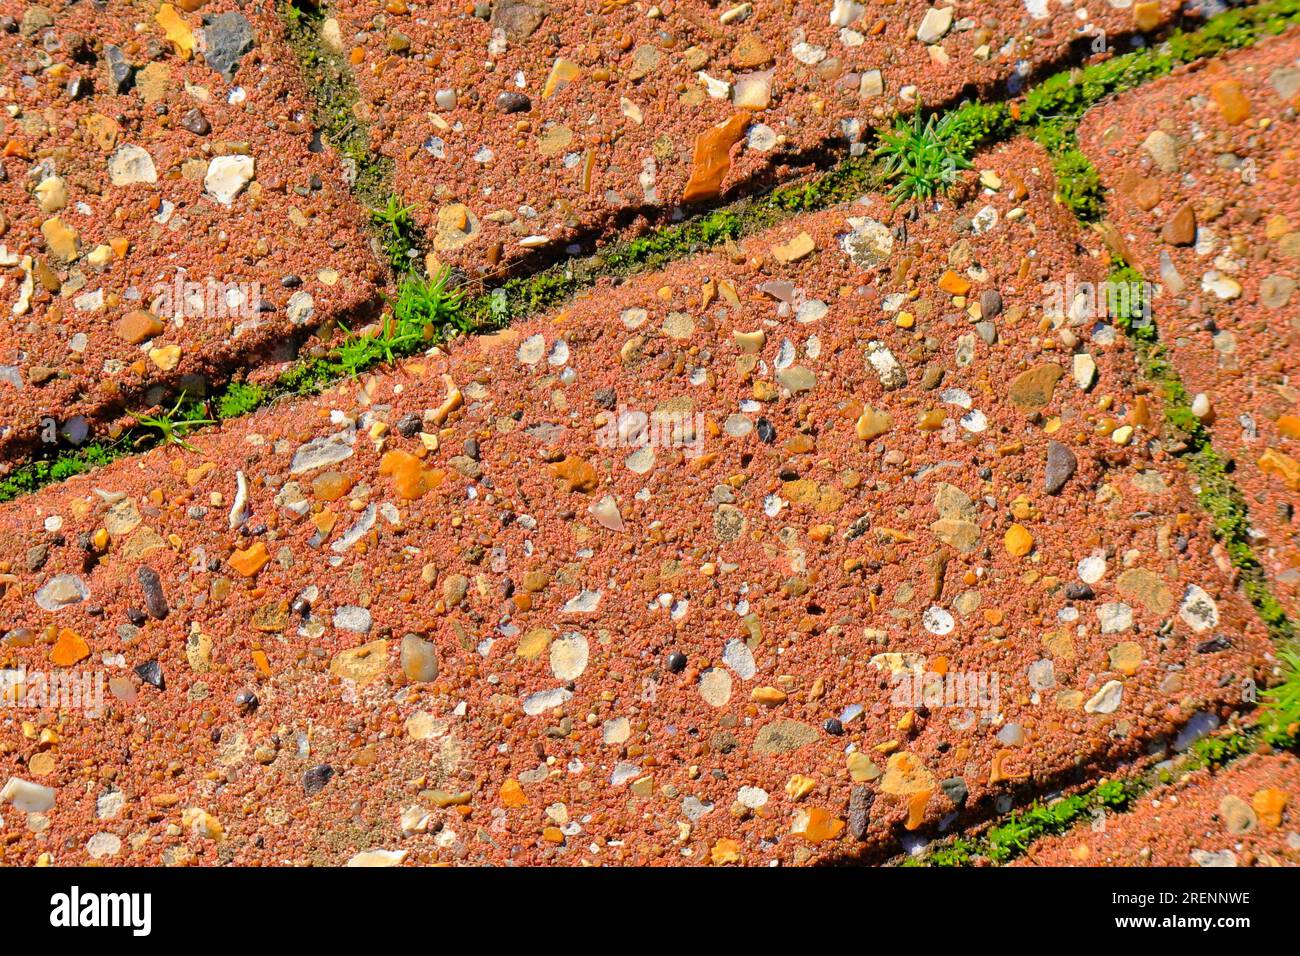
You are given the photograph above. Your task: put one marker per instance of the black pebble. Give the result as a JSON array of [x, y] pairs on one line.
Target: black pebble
[[151, 673], [510, 101], [408, 426], [314, 780]]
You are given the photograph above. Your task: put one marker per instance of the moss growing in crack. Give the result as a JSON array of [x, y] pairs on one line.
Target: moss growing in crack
[[1059, 101], [307, 377], [1233, 30], [1007, 840], [518, 298], [334, 93], [977, 124], [1012, 838], [1078, 186], [239, 398], [958, 852], [846, 181], [34, 475], [524, 296], [1216, 491], [1051, 110]]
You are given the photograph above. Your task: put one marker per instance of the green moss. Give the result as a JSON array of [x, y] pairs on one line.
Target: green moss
[[1007, 840], [1010, 838], [523, 296], [307, 377], [1215, 751], [846, 181], [34, 475], [957, 852], [1233, 30], [334, 94], [1078, 185], [975, 125], [518, 298], [239, 398], [1052, 109], [1056, 104], [425, 311]]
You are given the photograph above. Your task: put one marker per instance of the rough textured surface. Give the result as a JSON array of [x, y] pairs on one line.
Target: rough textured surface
[[519, 125], [529, 625], [1244, 815], [1209, 208], [173, 223]]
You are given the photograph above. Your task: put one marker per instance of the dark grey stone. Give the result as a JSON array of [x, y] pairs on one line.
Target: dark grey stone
[[1061, 465], [155, 601], [227, 37], [117, 69]]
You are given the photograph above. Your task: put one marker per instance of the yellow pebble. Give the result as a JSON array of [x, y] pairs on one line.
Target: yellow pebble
[[1019, 542]]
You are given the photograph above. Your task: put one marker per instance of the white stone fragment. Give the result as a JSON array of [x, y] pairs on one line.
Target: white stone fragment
[[131, 164], [227, 176]]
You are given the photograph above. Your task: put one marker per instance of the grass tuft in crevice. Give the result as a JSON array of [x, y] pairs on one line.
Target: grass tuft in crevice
[[922, 157], [172, 425]]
